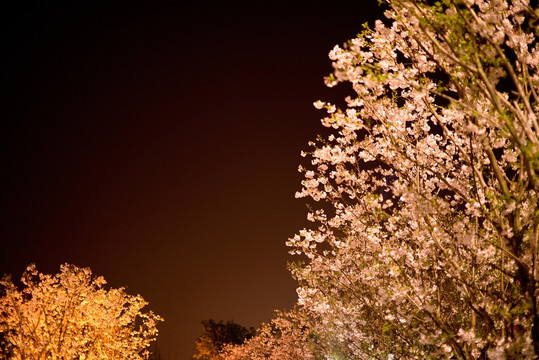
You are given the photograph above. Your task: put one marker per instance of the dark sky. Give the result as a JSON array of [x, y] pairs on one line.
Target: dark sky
[[158, 144]]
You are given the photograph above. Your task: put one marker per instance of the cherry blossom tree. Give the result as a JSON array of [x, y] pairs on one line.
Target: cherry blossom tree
[[289, 336], [72, 316], [425, 196]]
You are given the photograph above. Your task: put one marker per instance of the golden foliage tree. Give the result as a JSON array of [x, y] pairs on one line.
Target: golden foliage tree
[[72, 316]]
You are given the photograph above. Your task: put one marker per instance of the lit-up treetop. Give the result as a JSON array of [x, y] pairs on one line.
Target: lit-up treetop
[[72, 316], [425, 213]]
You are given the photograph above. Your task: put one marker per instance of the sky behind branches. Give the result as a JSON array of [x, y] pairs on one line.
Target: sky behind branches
[[158, 144]]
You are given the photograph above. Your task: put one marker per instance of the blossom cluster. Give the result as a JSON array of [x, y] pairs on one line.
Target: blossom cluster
[[288, 336], [424, 244], [72, 316]]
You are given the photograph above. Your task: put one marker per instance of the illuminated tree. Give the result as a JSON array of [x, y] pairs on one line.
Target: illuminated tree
[[289, 336], [71, 316], [215, 335], [424, 244]]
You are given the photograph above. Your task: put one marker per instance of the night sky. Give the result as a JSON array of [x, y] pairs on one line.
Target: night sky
[[158, 144]]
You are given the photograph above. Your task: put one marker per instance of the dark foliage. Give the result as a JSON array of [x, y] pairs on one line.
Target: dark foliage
[[216, 334]]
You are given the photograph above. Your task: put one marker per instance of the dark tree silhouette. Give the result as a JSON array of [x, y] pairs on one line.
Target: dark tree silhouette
[[216, 334]]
